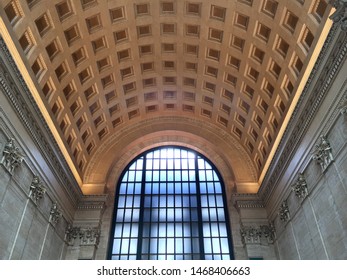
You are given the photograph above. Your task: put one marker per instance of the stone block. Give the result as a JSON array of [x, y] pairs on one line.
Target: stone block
[[286, 245]]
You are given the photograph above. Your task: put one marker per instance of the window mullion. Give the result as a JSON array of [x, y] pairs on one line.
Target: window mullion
[[142, 203], [200, 225]]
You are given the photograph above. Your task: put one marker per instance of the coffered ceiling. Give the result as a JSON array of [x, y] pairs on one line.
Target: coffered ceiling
[[97, 67]]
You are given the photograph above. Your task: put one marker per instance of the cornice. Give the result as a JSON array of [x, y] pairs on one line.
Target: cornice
[[20, 98], [309, 102]]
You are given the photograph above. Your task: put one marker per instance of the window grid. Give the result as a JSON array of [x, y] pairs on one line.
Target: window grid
[[170, 205]]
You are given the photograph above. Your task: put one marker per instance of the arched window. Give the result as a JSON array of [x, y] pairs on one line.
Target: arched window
[[170, 204]]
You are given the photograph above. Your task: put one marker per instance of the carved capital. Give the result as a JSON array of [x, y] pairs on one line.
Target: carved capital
[[11, 157], [300, 187], [71, 233], [340, 14], [283, 211], [55, 214], [257, 234], [37, 190], [323, 154], [90, 236]]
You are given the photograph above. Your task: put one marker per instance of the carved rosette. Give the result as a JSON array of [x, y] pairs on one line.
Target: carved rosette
[[323, 155], [283, 211], [340, 14], [37, 190], [11, 157], [55, 214], [257, 234], [300, 187]]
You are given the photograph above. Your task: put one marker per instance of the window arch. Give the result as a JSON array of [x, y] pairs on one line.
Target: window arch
[[170, 204]]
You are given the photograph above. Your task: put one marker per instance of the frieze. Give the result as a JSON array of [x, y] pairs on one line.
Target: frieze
[[11, 156], [322, 154], [89, 236], [20, 105], [300, 187], [71, 233], [294, 133], [37, 189]]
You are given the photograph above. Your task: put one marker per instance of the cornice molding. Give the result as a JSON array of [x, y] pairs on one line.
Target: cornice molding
[[308, 104], [19, 96]]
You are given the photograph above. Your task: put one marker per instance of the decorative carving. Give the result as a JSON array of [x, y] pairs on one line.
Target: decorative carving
[[37, 190], [254, 235], [71, 234], [283, 211], [55, 214], [323, 155], [89, 236], [343, 108], [11, 157], [340, 15], [300, 187]]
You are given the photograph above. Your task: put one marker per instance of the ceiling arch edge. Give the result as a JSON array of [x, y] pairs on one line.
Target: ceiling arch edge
[[118, 150]]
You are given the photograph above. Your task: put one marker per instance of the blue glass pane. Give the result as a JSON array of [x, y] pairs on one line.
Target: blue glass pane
[[127, 215], [163, 175], [121, 201], [146, 215], [138, 176], [163, 163], [214, 229], [194, 215], [147, 202], [130, 188], [162, 215], [179, 245], [178, 175], [155, 201], [203, 188], [133, 246], [207, 165], [123, 188], [149, 164], [206, 230], [126, 230], [162, 188], [120, 215], [177, 153], [193, 201], [185, 199], [163, 153], [170, 214], [154, 215], [153, 245], [170, 230], [137, 201], [191, 163], [170, 175], [125, 246], [221, 216], [218, 188], [202, 175], [178, 188], [156, 175], [148, 188], [170, 249], [136, 215], [155, 188], [185, 188], [184, 154], [215, 245], [118, 230], [134, 230], [149, 155], [213, 214], [187, 245], [211, 201], [129, 201], [222, 230], [156, 154], [224, 245], [178, 215], [137, 188], [156, 163], [201, 163], [185, 175], [195, 229], [178, 201], [131, 176], [162, 246], [207, 246], [205, 214], [178, 229], [170, 164], [204, 201], [116, 246], [162, 230], [186, 230], [170, 153], [209, 175], [139, 164], [219, 200], [170, 188], [177, 164], [184, 164], [195, 245], [210, 188], [146, 230], [192, 175], [162, 201], [154, 230], [170, 201]]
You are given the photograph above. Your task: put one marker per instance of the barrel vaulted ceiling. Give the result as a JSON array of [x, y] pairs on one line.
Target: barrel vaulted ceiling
[[232, 69]]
